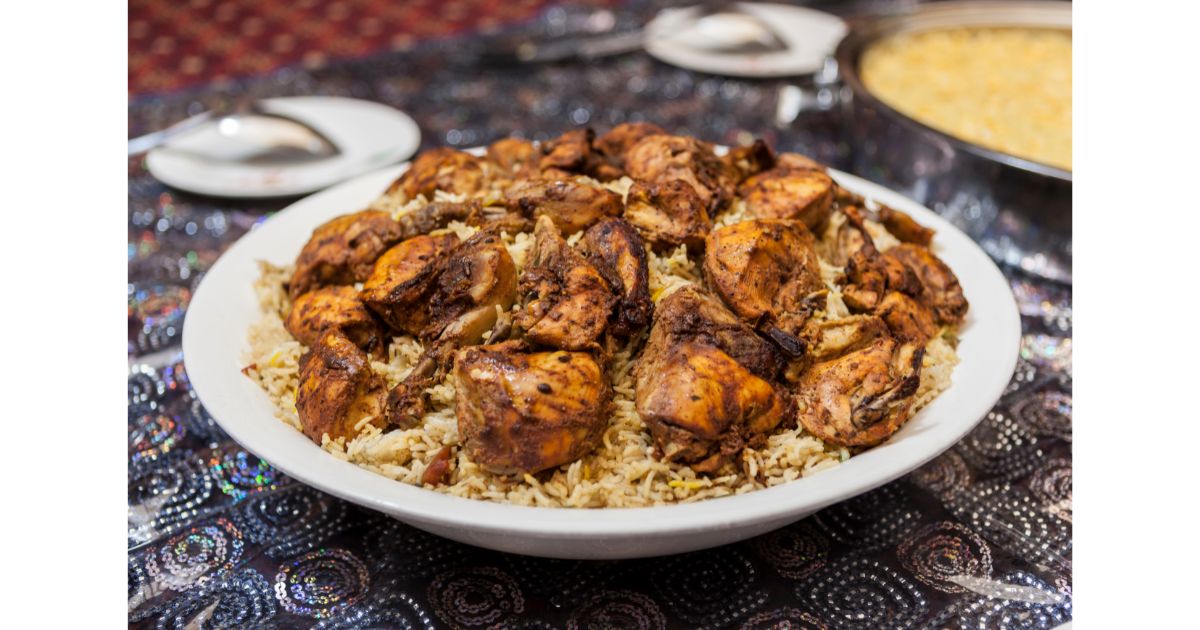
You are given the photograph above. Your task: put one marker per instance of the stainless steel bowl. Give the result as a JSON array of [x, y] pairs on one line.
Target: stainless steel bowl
[[1019, 210]]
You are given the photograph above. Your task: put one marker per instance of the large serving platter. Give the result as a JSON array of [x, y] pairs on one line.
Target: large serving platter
[[225, 306]]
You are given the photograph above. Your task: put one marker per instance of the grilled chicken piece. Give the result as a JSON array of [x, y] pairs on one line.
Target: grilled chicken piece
[[702, 383], [343, 250], [335, 308], [691, 313], [617, 142], [868, 275], [523, 412], [568, 302], [616, 251], [668, 214], [752, 159], [513, 155], [904, 228], [783, 192], [768, 273], [477, 277], [475, 283], [662, 158], [907, 319], [442, 169], [862, 397], [830, 339], [437, 215], [572, 205], [337, 389], [941, 291], [567, 155], [399, 286], [795, 161]]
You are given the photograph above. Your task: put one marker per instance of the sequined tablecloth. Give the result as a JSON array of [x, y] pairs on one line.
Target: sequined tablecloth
[[979, 538]]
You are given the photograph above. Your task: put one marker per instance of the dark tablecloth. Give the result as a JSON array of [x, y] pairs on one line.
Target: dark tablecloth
[[980, 537]]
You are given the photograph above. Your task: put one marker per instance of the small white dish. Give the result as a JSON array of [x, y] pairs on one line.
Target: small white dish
[[224, 307], [810, 35], [369, 135]]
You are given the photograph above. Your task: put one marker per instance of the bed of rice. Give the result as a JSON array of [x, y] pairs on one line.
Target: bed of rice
[[623, 471]]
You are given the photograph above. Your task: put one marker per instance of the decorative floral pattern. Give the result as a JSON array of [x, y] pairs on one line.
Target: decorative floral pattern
[[978, 537]]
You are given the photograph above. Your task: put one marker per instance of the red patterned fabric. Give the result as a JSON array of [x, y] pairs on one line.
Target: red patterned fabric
[[177, 43]]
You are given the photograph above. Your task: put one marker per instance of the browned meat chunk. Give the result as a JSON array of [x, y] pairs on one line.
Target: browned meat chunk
[[437, 215], [572, 205], [767, 271], [398, 288], [512, 155], [790, 193], [343, 250], [337, 389], [904, 228], [831, 339], [863, 397], [335, 308], [443, 169], [941, 292], [567, 155], [702, 383], [615, 249], [616, 143], [476, 283], [567, 300], [668, 214], [661, 158], [523, 412], [908, 319], [749, 160]]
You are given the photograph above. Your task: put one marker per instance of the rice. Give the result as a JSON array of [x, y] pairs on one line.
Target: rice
[[621, 472], [1007, 89]]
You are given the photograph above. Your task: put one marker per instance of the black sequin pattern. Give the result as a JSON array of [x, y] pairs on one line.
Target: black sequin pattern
[[979, 537]]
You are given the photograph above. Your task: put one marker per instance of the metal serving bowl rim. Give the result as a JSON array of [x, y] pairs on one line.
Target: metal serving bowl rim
[[861, 36]]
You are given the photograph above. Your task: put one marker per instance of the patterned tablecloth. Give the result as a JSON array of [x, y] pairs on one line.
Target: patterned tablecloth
[[980, 537]]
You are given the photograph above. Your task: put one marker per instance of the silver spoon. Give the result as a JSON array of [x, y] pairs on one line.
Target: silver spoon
[[725, 27], [271, 136]]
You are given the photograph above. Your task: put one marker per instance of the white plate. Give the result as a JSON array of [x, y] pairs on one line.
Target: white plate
[[810, 35], [370, 135], [224, 307]]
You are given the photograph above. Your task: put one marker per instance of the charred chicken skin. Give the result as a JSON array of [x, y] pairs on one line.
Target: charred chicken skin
[[617, 142], [657, 159], [337, 389], [940, 290], [768, 273], [524, 412], [862, 397], [567, 301], [335, 308], [513, 155], [402, 280], [571, 204], [476, 283], [616, 251], [442, 169], [668, 214], [567, 155], [702, 383], [343, 250], [784, 192], [747, 161]]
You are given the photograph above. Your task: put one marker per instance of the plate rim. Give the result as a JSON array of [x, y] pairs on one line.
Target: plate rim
[[436, 510], [400, 152]]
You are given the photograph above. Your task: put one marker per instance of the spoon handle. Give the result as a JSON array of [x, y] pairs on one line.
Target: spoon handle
[[142, 144]]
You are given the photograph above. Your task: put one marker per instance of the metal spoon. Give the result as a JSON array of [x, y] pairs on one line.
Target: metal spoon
[[727, 28], [271, 137]]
